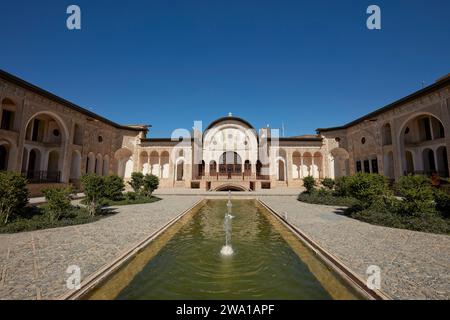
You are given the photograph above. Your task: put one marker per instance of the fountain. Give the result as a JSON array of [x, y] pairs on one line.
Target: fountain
[[227, 249]]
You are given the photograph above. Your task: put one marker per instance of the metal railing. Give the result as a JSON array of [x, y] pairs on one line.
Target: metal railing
[[42, 176]]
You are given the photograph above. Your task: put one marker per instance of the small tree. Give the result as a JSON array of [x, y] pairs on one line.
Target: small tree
[[328, 183], [137, 181], [309, 183], [94, 189], [151, 183], [58, 202], [13, 195], [417, 193], [114, 187], [368, 187]]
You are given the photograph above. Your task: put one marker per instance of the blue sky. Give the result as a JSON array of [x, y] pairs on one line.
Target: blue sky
[[167, 63]]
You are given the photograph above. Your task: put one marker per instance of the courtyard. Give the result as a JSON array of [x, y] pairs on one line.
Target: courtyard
[[414, 265]]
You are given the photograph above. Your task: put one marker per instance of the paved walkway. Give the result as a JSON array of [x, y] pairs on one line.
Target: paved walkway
[[33, 264], [414, 265]]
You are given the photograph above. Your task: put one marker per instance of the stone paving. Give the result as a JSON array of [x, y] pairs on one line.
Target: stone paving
[[33, 264], [414, 265]]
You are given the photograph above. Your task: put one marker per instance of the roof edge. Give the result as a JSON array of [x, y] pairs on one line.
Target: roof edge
[[441, 83], [51, 96]]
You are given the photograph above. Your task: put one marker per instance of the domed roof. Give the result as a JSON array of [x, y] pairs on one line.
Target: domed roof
[[228, 118]]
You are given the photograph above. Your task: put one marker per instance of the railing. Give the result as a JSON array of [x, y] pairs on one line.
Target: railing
[[42, 176], [443, 174]]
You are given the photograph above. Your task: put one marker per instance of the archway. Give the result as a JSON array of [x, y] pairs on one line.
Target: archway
[[296, 165], [317, 166], [212, 168], [75, 168], [442, 161], [230, 187], [53, 161], [421, 134], [165, 157], [410, 168], [143, 162], [4, 154], [180, 170], [154, 163], [389, 165], [90, 163], [34, 164], [387, 135], [307, 165], [281, 176], [8, 112], [124, 162], [230, 163], [99, 164], [340, 163], [429, 163], [105, 169]]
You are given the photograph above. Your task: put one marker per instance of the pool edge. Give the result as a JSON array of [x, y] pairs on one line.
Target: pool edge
[[104, 272], [349, 276]]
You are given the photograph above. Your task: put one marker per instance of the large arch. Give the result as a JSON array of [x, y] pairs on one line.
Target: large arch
[[230, 187], [419, 134], [339, 163], [144, 162], [230, 162], [125, 162]]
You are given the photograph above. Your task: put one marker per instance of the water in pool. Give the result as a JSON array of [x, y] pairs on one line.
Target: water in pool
[[267, 261]]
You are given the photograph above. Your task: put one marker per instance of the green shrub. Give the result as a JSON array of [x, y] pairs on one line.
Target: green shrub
[[58, 203], [342, 186], [130, 196], [442, 201], [13, 195], [367, 187], [94, 190], [150, 184], [417, 193], [137, 181], [309, 183], [328, 183], [326, 197], [114, 187]]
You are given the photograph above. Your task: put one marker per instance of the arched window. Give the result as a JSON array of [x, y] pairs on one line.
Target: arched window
[[387, 135], [442, 161], [3, 158], [429, 164], [8, 111], [180, 170]]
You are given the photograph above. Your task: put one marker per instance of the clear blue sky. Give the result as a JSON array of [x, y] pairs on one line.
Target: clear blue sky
[[167, 63]]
